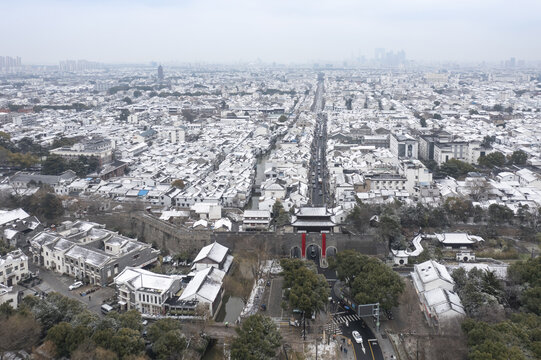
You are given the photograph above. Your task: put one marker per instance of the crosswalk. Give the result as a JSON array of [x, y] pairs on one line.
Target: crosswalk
[[333, 327], [342, 319]]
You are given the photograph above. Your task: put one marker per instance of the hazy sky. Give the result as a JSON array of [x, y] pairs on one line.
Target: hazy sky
[[223, 31]]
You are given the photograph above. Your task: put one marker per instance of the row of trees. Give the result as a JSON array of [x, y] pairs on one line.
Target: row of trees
[[82, 166], [305, 289], [395, 217], [369, 280], [67, 329], [495, 159], [23, 154], [491, 333], [458, 169], [26, 153]]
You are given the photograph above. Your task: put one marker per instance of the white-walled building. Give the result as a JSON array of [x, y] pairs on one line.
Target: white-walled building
[[145, 291], [13, 268], [206, 288], [434, 286], [213, 255]]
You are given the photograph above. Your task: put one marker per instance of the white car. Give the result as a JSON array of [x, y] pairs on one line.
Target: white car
[[358, 338], [76, 285]]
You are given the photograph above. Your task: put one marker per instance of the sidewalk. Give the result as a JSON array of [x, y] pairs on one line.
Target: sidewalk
[[345, 347], [385, 344]]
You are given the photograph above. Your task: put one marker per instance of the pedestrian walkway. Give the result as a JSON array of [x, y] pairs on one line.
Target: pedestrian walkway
[[333, 327], [347, 352], [343, 319]]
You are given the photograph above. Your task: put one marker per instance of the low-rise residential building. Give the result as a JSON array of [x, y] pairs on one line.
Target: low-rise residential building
[[213, 255], [256, 220], [404, 146], [383, 182], [25, 179], [13, 268], [89, 252], [96, 146], [434, 286], [145, 291], [206, 288], [16, 227]]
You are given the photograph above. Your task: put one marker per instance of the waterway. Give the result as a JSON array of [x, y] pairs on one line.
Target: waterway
[[230, 310]]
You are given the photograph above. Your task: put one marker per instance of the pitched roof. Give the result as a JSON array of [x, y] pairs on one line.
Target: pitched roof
[[215, 252], [206, 283], [9, 216]]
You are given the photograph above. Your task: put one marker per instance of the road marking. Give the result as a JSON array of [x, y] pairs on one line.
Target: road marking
[[371, 350]]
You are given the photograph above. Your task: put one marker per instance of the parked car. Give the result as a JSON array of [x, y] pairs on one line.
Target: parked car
[[358, 338], [106, 308], [76, 285]]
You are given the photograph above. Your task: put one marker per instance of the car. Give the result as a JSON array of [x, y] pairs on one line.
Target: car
[[106, 309], [357, 337], [76, 285], [294, 323], [313, 253], [268, 283]]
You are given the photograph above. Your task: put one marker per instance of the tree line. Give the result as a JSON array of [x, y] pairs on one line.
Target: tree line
[[504, 317], [397, 216], [26, 153], [58, 327]]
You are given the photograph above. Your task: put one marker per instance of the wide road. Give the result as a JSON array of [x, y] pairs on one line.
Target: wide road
[[318, 165]]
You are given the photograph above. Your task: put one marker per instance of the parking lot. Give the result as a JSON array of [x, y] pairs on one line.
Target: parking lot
[[54, 282]]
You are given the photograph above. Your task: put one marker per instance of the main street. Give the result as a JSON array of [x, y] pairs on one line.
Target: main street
[[318, 165]]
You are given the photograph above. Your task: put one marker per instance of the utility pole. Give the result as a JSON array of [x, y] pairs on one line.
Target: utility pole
[[304, 325]]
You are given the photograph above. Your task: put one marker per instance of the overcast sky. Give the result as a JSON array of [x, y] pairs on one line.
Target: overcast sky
[[285, 31]]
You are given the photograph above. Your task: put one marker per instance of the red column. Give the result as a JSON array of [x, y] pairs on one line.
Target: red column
[[303, 246], [323, 245]]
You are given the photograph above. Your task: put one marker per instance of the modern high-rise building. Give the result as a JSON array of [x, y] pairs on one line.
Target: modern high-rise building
[[8, 62], [160, 73]]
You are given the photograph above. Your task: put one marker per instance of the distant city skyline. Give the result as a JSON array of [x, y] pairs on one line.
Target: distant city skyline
[[213, 31]]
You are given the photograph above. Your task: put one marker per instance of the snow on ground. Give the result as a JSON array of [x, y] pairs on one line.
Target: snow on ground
[[500, 270], [252, 305], [324, 351], [271, 266]]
